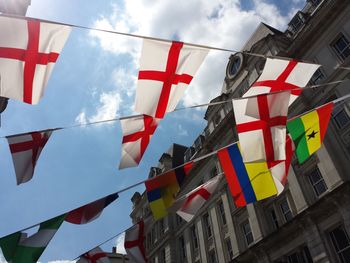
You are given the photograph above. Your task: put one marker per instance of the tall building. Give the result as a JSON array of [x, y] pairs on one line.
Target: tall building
[[310, 220]]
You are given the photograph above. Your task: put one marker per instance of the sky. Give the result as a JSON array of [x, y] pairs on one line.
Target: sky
[[95, 79]]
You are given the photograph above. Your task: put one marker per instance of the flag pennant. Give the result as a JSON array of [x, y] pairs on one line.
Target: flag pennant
[[248, 182], [161, 190], [188, 205], [25, 150], [308, 131], [279, 169], [29, 50], [87, 213], [165, 71], [95, 255], [18, 248], [279, 75], [134, 243], [261, 126], [137, 133]]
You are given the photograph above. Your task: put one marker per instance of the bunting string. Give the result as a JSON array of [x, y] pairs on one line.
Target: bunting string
[[178, 109], [341, 99], [155, 38]]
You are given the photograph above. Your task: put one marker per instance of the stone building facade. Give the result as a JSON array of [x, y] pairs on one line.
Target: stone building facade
[[310, 220]]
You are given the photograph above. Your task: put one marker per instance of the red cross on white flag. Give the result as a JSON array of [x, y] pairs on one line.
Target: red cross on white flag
[[279, 75], [25, 150], [134, 243], [261, 126], [28, 52], [279, 169], [137, 133], [165, 71], [95, 255], [188, 205]]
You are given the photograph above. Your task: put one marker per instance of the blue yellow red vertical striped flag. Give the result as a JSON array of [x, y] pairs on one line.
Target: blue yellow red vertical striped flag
[[248, 182], [162, 190]]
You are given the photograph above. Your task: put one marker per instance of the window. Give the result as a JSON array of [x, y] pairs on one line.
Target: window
[[162, 256], [297, 22], [179, 220], [207, 225], [317, 77], [161, 226], [342, 47], [229, 249], [273, 218], [247, 233], [222, 213], [315, 2], [182, 247], [234, 66], [287, 214], [317, 182], [194, 237], [341, 243], [342, 118], [302, 255], [213, 172], [212, 256], [149, 240]]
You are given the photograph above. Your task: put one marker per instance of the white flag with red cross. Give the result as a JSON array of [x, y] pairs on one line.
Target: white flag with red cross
[[279, 75], [25, 150], [188, 205], [29, 50], [134, 243], [261, 126], [166, 69], [95, 255], [279, 169], [137, 133]]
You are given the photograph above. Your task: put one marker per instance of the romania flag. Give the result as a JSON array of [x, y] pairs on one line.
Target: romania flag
[[248, 182], [162, 190], [308, 131]]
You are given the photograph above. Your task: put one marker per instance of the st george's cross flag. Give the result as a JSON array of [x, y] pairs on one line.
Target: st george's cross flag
[[25, 150], [166, 69], [134, 242], [261, 126], [189, 204], [29, 50], [308, 130], [137, 133], [18, 248], [279, 169], [279, 75], [95, 255], [87, 213]]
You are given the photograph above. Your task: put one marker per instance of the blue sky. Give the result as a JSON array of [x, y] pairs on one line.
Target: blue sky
[[94, 79]]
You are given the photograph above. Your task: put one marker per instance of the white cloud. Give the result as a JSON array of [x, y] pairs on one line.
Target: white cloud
[[119, 244], [221, 23], [108, 108], [182, 131], [124, 80]]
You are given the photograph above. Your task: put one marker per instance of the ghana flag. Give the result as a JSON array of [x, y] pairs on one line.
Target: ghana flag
[[162, 190], [308, 131]]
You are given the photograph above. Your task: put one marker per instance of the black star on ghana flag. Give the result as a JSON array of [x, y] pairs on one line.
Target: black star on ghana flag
[[311, 135]]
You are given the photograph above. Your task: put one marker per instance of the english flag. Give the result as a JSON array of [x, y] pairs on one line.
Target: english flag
[[95, 255], [166, 69], [279, 75], [25, 150], [87, 213], [188, 205], [261, 126], [29, 50], [279, 169], [137, 133], [134, 243]]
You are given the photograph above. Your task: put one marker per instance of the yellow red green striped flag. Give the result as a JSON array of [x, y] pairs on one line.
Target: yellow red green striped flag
[[308, 131]]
